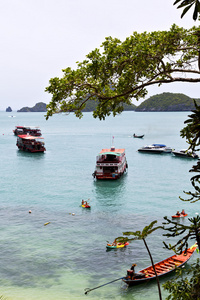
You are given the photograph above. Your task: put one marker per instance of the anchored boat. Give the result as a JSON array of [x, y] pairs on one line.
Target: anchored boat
[[162, 268], [110, 164], [156, 148], [138, 136], [19, 130], [30, 143], [185, 153]]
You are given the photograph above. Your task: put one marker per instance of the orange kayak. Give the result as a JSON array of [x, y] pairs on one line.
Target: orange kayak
[[180, 216]]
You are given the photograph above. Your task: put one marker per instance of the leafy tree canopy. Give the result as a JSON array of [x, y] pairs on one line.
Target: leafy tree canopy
[[120, 71], [185, 288], [187, 4]]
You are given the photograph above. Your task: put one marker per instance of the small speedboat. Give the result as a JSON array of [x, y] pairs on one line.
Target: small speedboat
[[186, 153], [118, 245], [156, 148]]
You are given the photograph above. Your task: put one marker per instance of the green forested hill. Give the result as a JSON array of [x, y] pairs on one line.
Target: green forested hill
[[168, 102], [160, 102], [91, 105], [39, 107]]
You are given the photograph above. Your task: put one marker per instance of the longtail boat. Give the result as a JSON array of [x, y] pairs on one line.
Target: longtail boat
[[162, 268], [138, 136]]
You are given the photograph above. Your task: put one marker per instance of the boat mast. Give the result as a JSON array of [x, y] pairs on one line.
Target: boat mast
[[113, 147]]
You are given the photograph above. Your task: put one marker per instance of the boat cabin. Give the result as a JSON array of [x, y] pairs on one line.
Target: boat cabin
[[19, 130], [110, 164], [30, 143]]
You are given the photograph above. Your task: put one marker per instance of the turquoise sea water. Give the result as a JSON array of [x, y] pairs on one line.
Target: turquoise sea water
[[60, 260]]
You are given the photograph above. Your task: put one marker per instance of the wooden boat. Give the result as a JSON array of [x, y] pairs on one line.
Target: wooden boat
[[180, 216], [30, 143], [118, 245], [162, 268], [34, 131], [138, 136]]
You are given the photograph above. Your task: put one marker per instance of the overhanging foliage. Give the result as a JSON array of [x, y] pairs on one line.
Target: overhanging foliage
[[120, 71]]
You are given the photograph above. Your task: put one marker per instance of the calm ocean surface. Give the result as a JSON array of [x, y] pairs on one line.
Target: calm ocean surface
[[60, 260]]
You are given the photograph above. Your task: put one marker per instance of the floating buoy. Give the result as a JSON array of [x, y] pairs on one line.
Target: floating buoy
[[46, 223], [73, 214]]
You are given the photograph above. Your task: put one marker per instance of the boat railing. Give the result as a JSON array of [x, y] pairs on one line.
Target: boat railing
[[105, 160]]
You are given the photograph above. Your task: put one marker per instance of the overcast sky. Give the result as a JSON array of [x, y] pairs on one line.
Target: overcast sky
[[39, 38]]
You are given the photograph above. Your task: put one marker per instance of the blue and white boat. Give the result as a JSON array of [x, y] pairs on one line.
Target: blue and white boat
[[156, 148]]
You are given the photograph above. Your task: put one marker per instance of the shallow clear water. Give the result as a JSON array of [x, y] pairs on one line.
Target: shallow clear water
[[60, 260]]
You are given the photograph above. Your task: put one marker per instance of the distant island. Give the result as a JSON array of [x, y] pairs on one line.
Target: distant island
[[39, 107], [156, 103], [160, 102], [8, 109], [168, 102]]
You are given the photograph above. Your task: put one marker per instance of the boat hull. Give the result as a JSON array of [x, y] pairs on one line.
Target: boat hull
[[109, 246], [86, 206], [185, 154], [157, 151], [162, 268], [180, 216], [112, 176], [138, 136]]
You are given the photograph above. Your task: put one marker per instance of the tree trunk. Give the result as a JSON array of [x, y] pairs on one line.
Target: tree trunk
[[198, 237], [158, 283]]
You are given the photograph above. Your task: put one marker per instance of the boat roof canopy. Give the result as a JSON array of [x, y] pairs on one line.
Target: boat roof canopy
[[159, 145], [29, 137], [27, 127], [110, 153], [116, 152]]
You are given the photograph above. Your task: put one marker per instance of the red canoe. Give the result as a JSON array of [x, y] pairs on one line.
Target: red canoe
[[162, 268], [180, 216], [86, 206]]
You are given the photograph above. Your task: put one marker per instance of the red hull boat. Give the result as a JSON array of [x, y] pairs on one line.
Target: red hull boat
[[30, 143], [34, 131]]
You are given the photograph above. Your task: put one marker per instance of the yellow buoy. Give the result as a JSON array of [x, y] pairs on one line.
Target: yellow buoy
[[46, 223]]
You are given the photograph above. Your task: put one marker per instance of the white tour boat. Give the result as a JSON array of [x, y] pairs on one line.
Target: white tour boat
[[110, 164]]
